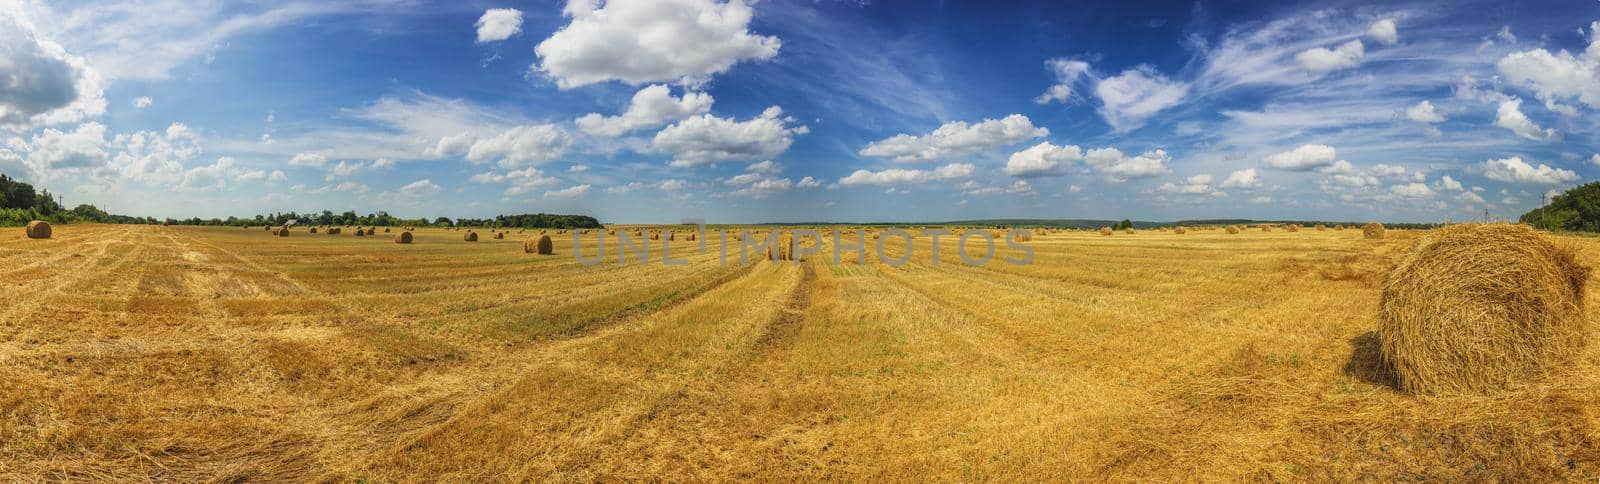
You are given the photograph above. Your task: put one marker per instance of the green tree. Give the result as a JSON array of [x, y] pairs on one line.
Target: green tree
[[1577, 209]]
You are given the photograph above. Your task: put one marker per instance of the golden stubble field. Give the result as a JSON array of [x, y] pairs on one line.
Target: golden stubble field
[[183, 353]]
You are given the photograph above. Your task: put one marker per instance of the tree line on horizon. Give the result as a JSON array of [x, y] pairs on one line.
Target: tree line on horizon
[[20, 203]]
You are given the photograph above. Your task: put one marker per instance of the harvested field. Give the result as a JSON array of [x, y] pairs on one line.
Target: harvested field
[[185, 354]]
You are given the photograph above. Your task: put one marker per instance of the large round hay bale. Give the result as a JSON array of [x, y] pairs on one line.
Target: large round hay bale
[[1482, 308], [1292, 227], [1105, 230], [37, 229], [1179, 230], [386, 230], [500, 235], [281, 232], [1233, 229], [1321, 227], [1372, 230], [404, 237], [470, 237], [267, 228], [360, 233], [1128, 231], [541, 245], [334, 231]]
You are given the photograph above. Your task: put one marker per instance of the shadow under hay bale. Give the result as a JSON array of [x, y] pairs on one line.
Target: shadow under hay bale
[[1366, 362], [1483, 308]]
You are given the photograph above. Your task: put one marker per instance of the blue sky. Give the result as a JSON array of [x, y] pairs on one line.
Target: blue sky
[[788, 110]]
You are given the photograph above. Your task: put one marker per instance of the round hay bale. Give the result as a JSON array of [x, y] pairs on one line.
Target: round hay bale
[[1292, 228], [386, 230], [334, 231], [281, 232], [1179, 231], [470, 236], [1105, 231], [691, 237], [541, 245], [37, 229], [1128, 231], [1233, 229], [313, 230], [360, 233], [500, 235], [403, 237], [267, 228], [1482, 308], [1321, 227], [1372, 230]]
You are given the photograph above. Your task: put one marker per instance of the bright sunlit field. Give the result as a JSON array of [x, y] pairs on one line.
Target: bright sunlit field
[[182, 353]]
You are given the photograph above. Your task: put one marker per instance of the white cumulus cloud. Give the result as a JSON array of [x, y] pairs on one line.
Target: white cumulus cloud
[[1245, 179], [1384, 32], [1043, 159], [1514, 170], [1303, 158], [1321, 60], [1130, 99], [651, 107], [642, 41], [1509, 116], [955, 138], [707, 139], [898, 176], [498, 24]]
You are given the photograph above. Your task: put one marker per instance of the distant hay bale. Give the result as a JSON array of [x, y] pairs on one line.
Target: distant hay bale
[[386, 230], [333, 231], [1292, 227], [403, 237], [500, 235], [541, 245], [655, 236], [1482, 308], [1128, 231], [267, 228], [1338, 227], [313, 230], [470, 236], [691, 237], [1022, 237], [281, 232], [360, 233], [38, 229], [1105, 231], [1372, 230], [1180, 230], [1266, 228], [1321, 227], [1233, 229]]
